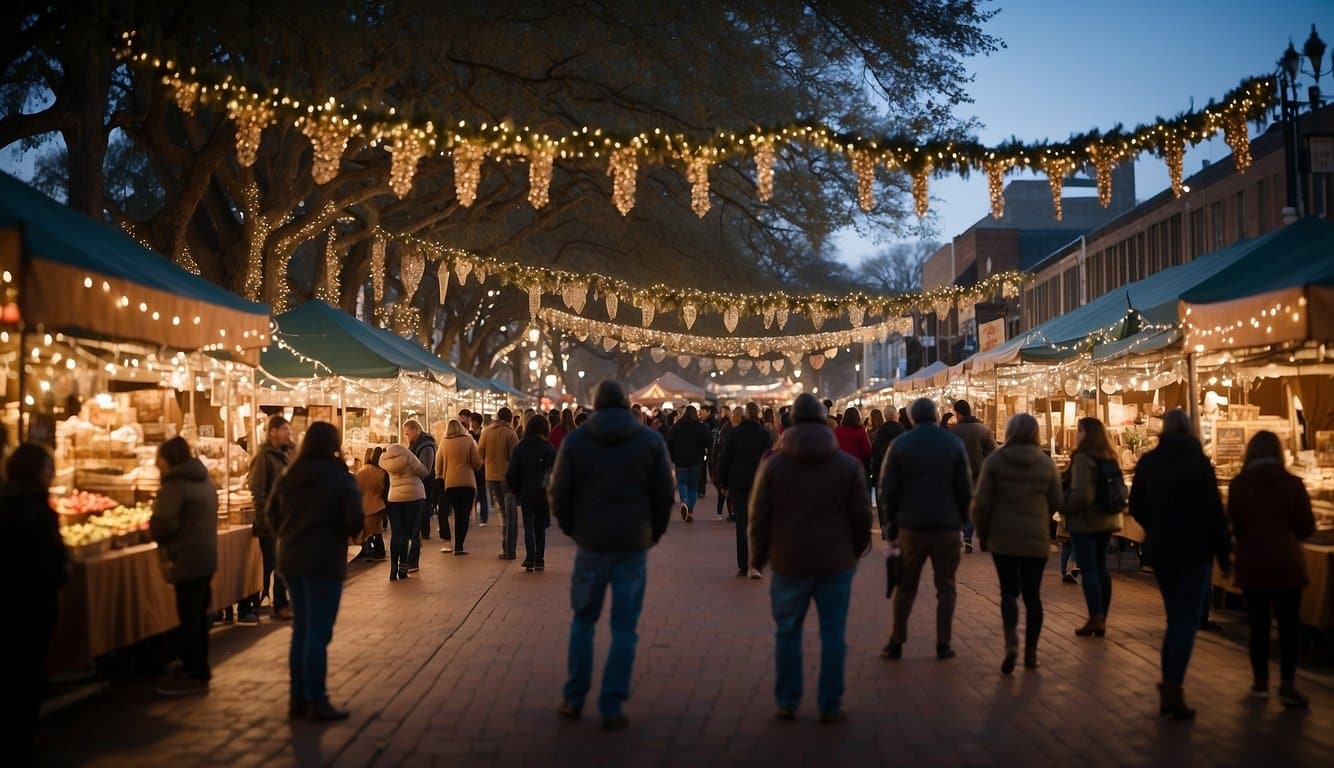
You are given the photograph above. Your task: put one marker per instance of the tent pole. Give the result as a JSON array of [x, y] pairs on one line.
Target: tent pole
[[1193, 392], [226, 444], [398, 396], [23, 385], [1097, 394]]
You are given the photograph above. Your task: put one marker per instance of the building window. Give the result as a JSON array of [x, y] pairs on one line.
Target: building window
[[1175, 244], [1197, 241], [1216, 221], [1262, 206], [1239, 208]]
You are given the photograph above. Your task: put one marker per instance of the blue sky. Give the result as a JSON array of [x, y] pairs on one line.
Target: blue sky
[[1073, 65]]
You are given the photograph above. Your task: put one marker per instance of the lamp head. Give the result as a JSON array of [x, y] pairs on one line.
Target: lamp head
[[1291, 62], [1315, 52]]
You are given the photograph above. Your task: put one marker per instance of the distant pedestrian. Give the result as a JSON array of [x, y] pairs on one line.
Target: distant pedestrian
[[528, 475], [496, 445], [1091, 519], [407, 493], [37, 569], [979, 442], [474, 425], [1175, 498], [612, 493], [852, 438], [373, 482], [563, 428], [456, 464], [317, 509], [1271, 514], [688, 444], [185, 526], [1017, 493], [926, 488], [725, 421], [746, 444], [810, 516], [423, 446], [266, 469]]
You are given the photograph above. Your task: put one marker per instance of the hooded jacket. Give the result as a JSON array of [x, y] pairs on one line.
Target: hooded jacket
[[1017, 492], [457, 462], [496, 444], [1078, 509], [1271, 515], [266, 468], [405, 473], [316, 510], [689, 442], [1175, 498], [925, 482], [532, 459], [810, 513], [185, 523], [611, 489]]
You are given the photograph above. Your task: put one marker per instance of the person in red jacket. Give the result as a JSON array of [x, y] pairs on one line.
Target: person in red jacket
[[852, 437]]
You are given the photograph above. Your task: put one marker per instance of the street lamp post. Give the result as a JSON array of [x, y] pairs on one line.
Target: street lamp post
[[1289, 70]]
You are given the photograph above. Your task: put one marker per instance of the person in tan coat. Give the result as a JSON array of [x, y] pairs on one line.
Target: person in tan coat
[[374, 484], [1018, 490], [406, 493], [497, 444], [456, 465]]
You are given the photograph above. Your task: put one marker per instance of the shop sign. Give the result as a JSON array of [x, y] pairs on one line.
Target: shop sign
[[1229, 443], [1322, 154]]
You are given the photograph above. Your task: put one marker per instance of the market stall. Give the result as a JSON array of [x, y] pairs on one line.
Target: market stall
[[668, 388], [108, 341]]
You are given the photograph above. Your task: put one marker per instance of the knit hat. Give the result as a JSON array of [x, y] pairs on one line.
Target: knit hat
[[808, 409]]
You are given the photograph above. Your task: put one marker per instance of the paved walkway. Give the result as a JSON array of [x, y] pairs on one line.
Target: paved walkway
[[462, 665]]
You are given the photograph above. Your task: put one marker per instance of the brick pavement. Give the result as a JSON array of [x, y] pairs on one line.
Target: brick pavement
[[462, 665]]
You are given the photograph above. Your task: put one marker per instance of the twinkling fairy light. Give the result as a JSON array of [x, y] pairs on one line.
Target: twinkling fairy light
[[540, 162], [863, 165], [623, 167], [407, 148], [730, 317], [697, 173], [1104, 161], [1174, 153], [328, 137], [613, 304], [330, 291], [468, 171], [688, 314], [920, 190], [378, 247], [996, 169], [411, 270], [251, 116], [1237, 135], [1057, 167], [764, 170]]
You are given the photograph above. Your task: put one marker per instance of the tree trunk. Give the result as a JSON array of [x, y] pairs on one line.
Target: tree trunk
[[84, 93]]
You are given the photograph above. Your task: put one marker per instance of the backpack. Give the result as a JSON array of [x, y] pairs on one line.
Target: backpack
[[1110, 495]]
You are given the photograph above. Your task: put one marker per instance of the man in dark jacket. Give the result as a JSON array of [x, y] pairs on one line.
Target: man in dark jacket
[[926, 487], [1175, 498], [422, 444], [610, 491], [688, 443], [715, 456], [266, 469], [979, 443], [809, 515], [746, 445]]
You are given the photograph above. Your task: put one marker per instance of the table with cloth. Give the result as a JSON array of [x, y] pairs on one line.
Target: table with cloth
[[119, 598]]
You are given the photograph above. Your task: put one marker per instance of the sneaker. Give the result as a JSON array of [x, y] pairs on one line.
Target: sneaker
[[720, 517], [413, 568], [481, 525], [181, 684], [1069, 578], [1291, 698], [1260, 691], [615, 723], [539, 565], [249, 620], [690, 517], [446, 550], [1075, 572], [968, 547], [685, 511], [837, 716], [460, 552], [755, 573], [283, 613]]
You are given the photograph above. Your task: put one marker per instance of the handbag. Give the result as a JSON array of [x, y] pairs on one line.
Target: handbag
[[893, 573]]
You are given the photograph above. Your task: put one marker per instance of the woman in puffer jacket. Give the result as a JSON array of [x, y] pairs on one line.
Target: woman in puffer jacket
[[407, 493]]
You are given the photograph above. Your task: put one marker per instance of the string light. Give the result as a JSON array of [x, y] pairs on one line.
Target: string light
[[328, 137], [613, 305], [1104, 161], [467, 171], [251, 117], [331, 291], [1174, 153], [921, 198], [407, 149], [1057, 168], [378, 247], [623, 167], [764, 170], [411, 269], [540, 162], [996, 186], [697, 173], [863, 165], [1237, 135], [730, 318], [688, 314]]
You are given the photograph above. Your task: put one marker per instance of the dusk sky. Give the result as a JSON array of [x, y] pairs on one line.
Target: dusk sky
[[1072, 66]]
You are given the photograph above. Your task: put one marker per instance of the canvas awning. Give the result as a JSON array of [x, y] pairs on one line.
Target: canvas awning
[[316, 339], [667, 387], [1281, 291], [81, 276], [922, 378]]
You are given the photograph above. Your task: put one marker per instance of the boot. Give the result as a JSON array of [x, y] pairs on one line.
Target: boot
[[1096, 626], [1011, 650], [1172, 702], [1031, 658], [393, 570], [297, 707], [322, 711]]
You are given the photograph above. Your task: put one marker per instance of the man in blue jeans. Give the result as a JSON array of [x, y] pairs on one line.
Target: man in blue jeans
[[688, 444], [611, 491], [810, 516]]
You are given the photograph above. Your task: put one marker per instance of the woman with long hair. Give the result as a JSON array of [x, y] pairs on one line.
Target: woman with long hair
[[407, 495], [1271, 514], [456, 464], [316, 510], [1018, 490], [852, 437], [185, 526], [565, 427], [1090, 526], [528, 475]]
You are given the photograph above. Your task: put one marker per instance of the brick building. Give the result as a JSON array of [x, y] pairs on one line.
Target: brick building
[[1220, 208]]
